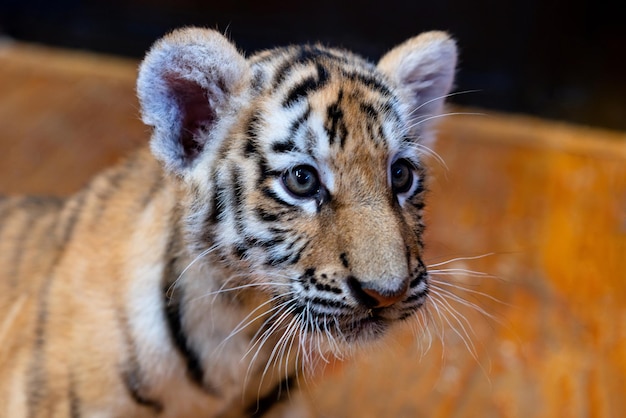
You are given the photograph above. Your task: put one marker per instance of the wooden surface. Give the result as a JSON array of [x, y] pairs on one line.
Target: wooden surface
[[543, 205]]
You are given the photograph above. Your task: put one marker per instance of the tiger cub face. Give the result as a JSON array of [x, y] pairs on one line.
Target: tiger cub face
[[303, 172]]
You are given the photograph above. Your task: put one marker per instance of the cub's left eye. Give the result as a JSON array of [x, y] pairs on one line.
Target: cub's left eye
[[302, 181], [402, 176]]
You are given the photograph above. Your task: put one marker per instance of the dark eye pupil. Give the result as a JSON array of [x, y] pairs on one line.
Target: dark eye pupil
[[303, 177], [401, 176], [302, 181]]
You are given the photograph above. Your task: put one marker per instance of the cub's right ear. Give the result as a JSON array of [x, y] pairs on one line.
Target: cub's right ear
[[190, 84]]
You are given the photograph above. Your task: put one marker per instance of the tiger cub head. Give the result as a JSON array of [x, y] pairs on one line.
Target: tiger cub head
[[302, 169]]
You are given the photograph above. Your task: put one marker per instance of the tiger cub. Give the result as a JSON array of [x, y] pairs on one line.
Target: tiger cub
[[275, 221]]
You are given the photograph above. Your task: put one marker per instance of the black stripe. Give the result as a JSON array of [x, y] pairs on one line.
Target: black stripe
[[328, 303], [241, 251], [218, 205], [73, 209], [373, 113], [32, 204], [74, 399], [304, 54], [390, 108], [307, 86], [419, 205], [289, 144], [104, 192], [300, 90], [250, 148], [421, 276], [275, 396], [252, 134], [295, 126], [37, 377], [32, 207], [335, 126], [369, 110], [265, 171], [270, 193], [301, 55], [299, 252], [236, 177], [325, 287], [308, 274], [238, 206], [133, 383], [264, 243], [416, 297], [173, 313], [22, 234], [297, 256], [266, 216], [285, 146], [290, 255], [281, 73], [275, 261], [344, 259], [131, 374], [370, 81], [257, 79]]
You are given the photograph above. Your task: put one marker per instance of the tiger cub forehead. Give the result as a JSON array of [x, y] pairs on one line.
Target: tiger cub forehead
[[328, 108], [199, 92]]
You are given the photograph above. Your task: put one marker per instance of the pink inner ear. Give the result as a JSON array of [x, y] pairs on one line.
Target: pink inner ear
[[196, 113]]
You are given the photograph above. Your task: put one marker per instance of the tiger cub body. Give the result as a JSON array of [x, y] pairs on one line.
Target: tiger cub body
[[275, 221]]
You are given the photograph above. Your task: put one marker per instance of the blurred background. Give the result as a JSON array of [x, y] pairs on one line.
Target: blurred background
[[526, 237], [563, 60]]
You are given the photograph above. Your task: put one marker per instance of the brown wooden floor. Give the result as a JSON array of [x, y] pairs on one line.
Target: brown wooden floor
[[546, 201]]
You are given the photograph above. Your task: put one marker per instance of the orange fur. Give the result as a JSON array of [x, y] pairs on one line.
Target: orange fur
[[190, 280]]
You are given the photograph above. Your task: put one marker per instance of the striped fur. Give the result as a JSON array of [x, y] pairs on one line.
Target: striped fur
[[275, 220]]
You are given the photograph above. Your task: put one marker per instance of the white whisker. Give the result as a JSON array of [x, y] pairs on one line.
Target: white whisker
[[453, 296], [259, 341], [445, 96], [461, 272], [172, 287], [435, 282], [281, 311], [453, 260], [248, 319], [425, 329], [241, 287], [443, 115], [440, 325], [459, 319], [430, 152]]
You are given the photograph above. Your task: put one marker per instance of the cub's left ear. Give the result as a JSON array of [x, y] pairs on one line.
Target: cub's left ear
[[190, 85], [422, 68]]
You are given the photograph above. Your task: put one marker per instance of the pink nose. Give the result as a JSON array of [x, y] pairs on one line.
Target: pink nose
[[373, 297], [386, 299]]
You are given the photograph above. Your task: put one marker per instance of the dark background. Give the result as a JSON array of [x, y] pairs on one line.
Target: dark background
[[562, 60]]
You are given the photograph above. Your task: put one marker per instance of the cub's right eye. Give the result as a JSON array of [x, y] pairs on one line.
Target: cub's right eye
[[302, 181], [402, 176]]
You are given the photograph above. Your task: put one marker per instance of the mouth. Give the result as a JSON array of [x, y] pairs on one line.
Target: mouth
[[368, 328], [339, 322]]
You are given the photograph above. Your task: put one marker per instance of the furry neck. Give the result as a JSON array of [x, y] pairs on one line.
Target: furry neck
[[219, 331]]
